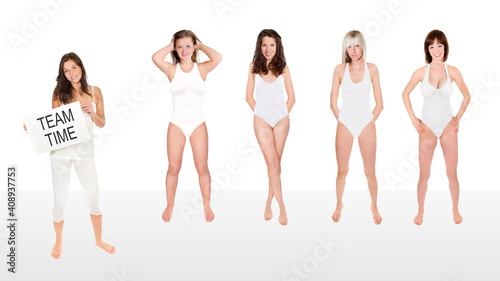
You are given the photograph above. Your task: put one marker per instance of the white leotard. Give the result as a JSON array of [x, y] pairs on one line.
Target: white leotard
[[436, 112], [270, 104], [83, 150], [356, 113], [187, 94]]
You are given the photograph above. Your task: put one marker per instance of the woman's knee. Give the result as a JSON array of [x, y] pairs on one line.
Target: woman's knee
[[202, 170], [173, 170], [274, 165], [342, 173], [370, 175]]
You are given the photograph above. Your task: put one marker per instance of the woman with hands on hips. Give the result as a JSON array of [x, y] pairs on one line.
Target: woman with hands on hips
[[437, 120]]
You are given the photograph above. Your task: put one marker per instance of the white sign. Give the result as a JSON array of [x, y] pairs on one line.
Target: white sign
[[57, 128]]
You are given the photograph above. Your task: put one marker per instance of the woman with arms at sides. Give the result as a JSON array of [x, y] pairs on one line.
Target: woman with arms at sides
[[267, 75], [356, 119]]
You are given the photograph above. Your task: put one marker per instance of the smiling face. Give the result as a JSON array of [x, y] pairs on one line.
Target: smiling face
[[184, 48], [268, 47], [355, 51], [72, 72], [436, 50]]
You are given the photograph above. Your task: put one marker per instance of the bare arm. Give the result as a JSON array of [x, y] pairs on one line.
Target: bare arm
[[207, 66], [159, 60], [377, 91], [415, 78], [289, 88], [98, 116], [334, 95], [250, 87], [456, 76]]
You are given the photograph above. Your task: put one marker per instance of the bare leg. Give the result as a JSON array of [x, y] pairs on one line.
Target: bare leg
[[426, 144], [280, 132], [175, 147], [199, 145], [97, 224], [368, 146], [57, 250], [343, 147], [449, 144], [267, 142]]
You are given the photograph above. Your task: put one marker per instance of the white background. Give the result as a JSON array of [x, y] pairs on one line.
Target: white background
[[116, 39]]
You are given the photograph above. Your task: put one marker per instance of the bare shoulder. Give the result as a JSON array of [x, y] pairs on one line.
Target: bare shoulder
[[97, 94], [339, 70], [286, 70], [372, 68], [453, 70], [419, 73]]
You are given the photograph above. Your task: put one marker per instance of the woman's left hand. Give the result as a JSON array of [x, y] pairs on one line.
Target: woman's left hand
[[455, 124], [87, 107]]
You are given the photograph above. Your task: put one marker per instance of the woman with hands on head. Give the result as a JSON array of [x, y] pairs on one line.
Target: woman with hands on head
[[437, 120], [356, 119], [267, 75], [187, 85]]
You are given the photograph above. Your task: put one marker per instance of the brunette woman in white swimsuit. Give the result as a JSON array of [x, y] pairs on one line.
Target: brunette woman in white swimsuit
[[71, 87], [187, 84], [437, 120], [268, 75]]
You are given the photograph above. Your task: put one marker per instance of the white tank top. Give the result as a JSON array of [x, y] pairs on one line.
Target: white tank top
[[83, 150]]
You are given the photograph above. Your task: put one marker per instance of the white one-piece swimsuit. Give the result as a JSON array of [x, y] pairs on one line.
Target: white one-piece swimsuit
[[270, 104], [187, 94], [356, 112], [436, 112]]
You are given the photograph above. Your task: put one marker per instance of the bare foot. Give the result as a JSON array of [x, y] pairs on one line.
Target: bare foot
[[419, 218], [337, 213], [105, 246], [377, 218], [167, 214], [268, 213], [57, 250], [283, 218], [457, 218], [209, 214]]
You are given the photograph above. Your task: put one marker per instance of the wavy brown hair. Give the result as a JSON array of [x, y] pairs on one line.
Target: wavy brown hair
[[63, 91], [183, 34], [441, 38], [277, 64]]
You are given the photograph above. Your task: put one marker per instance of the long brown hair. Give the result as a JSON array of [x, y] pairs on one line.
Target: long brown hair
[[429, 39], [63, 91], [183, 34], [277, 64]]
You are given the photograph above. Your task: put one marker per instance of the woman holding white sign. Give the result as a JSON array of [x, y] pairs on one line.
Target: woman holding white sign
[[187, 84], [72, 87]]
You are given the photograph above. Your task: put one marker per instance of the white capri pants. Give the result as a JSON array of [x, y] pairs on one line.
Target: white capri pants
[[87, 174]]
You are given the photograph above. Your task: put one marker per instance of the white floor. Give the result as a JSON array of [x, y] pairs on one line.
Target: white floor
[[240, 245]]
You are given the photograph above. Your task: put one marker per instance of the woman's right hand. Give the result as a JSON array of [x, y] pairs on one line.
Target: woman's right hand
[[417, 123], [24, 126]]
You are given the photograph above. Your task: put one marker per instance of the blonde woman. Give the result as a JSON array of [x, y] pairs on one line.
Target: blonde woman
[[356, 119]]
